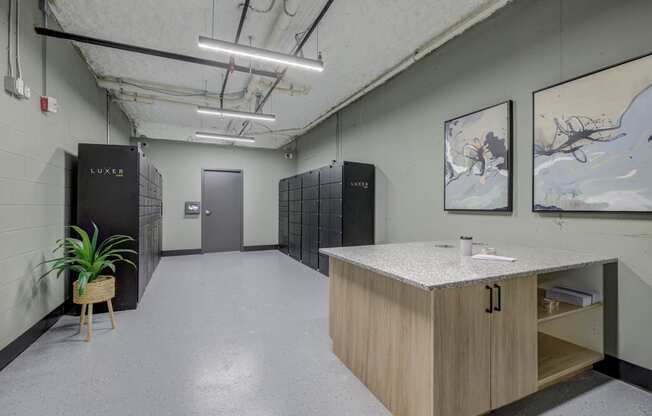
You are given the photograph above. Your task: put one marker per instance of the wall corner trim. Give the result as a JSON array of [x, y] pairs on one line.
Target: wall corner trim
[[625, 371]]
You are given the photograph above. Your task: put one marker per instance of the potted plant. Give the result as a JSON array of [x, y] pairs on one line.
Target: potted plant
[[84, 256]]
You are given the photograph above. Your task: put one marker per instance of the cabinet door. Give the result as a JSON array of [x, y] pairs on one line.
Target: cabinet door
[[462, 351], [514, 340]]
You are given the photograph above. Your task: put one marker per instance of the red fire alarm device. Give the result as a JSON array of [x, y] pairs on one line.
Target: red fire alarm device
[[49, 105]]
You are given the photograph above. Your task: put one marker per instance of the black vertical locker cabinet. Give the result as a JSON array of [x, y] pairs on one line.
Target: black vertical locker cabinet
[[310, 219], [346, 207], [294, 197], [284, 215], [121, 191], [330, 207]]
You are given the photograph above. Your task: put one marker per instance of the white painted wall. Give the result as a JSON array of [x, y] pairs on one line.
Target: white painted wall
[[181, 163], [399, 128], [36, 152]]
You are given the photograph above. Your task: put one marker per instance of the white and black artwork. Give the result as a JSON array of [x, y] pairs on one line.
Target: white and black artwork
[[478, 171], [592, 147]]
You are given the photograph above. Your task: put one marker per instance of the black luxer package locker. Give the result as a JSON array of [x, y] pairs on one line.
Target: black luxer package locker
[[339, 199], [121, 191], [294, 196], [346, 207], [284, 215]]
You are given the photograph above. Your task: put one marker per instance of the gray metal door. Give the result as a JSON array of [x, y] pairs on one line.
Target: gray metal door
[[221, 225]]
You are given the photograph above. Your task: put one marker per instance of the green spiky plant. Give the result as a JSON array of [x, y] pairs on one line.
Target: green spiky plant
[[84, 256]]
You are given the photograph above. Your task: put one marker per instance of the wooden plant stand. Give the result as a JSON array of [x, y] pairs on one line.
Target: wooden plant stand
[[101, 290]]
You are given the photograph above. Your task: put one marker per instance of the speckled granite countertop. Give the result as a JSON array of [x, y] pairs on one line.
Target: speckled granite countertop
[[428, 265]]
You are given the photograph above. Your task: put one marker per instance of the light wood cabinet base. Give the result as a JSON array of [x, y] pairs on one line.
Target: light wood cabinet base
[[425, 353], [458, 351], [382, 331]]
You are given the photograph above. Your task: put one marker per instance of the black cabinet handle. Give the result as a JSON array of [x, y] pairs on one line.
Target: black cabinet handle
[[500, 300], [491, 299]]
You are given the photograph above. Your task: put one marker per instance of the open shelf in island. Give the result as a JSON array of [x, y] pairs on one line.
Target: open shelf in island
[[559, 360], [565, 309]]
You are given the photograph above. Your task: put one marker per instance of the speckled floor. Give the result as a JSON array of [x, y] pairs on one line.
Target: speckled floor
[[232, 334]]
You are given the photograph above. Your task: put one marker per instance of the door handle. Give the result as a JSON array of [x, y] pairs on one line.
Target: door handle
[[208, 212], [500, 300], [490, 309]]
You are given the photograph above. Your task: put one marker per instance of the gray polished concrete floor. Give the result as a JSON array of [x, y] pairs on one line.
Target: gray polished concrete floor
[[232, 334]]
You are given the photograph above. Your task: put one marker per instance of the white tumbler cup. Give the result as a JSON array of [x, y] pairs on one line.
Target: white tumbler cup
[[466, 246]]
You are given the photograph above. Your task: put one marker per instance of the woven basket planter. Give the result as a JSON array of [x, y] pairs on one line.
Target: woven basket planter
[[100, 290]]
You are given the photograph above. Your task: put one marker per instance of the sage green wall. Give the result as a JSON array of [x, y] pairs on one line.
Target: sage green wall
[[529, 45], [36, 152], [181, 164]]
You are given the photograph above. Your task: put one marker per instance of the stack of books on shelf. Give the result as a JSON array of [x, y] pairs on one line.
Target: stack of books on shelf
[[573, 296]]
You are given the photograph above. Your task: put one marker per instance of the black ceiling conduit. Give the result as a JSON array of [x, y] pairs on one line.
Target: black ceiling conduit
[[296, 52], [153, 52], [243, 16]]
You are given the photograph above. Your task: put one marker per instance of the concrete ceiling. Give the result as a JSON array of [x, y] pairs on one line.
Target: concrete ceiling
[[363, 43]]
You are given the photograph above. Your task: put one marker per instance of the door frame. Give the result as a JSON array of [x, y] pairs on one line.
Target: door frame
[[203, 189]]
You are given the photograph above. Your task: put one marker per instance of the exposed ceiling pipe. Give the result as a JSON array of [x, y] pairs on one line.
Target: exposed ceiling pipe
[[128, 97], [243, 16], [157, 88], [296, 51], [10, 65], [19, 69], [153, 52], [259, 97], [254, 84], [146, 98], [278, 29], [137, 95], [274, 131], [145, 92], [291, 88], [43, 4]]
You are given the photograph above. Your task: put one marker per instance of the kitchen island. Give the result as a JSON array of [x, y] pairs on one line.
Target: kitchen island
[[430, 332]]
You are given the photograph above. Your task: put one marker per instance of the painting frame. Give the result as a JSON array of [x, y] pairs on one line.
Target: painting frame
[[533, 156], [510, 159]]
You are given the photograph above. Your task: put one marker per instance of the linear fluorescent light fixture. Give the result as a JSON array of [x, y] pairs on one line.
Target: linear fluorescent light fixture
[[219, 136], [221, 112], [261, 54]]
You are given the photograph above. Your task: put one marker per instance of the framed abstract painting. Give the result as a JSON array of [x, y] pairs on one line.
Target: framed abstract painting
[[592, 142], [478, 160]]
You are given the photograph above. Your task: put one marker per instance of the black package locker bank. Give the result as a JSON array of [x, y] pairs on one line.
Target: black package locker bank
[[121, 191], [332, 206]]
